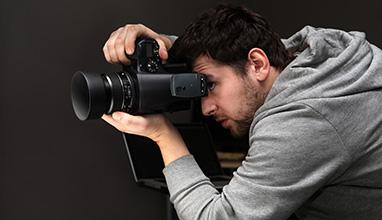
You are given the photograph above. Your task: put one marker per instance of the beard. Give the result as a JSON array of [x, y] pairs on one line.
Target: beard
[[254, 99]]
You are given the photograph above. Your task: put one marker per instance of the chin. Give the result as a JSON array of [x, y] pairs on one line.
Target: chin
[[239, 131], [237, 134]]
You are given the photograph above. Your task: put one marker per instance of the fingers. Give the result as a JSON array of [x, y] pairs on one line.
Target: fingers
[[120, 121], [120, 47], [162, 49], [133, 31], [111, 121], [128, 123], [154, 126], [109, 47], [122, 42], [114, 50]]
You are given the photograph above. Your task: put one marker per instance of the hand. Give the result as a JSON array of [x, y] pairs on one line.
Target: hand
[[156, 127], [122, 42], [150, 126]]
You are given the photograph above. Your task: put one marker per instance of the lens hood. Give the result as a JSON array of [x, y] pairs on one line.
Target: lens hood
[[89, 97]]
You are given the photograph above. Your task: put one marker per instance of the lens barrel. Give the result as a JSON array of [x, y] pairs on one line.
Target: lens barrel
[[96, 94]]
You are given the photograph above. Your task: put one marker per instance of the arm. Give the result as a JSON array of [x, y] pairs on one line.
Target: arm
[[155, 127], [294, 152]]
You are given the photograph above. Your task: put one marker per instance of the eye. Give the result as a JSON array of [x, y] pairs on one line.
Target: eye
[[211, 85]]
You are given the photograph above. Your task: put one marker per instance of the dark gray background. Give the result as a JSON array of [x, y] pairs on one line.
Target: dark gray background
[[53, 166]]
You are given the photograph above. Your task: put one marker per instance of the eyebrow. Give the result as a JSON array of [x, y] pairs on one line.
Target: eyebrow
[[209, 77]]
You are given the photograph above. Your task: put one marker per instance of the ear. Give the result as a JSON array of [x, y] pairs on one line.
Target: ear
[[259, 65]]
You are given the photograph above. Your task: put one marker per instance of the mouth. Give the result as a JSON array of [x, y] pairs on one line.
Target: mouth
[[223, 122]]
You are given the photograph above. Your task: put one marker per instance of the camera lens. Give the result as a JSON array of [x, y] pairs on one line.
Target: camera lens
[[96, 94]]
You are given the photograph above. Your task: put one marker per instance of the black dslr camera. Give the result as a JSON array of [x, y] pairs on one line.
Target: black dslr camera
[[146, 86]]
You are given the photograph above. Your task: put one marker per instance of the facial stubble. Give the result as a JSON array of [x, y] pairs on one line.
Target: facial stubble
[[254, 98]]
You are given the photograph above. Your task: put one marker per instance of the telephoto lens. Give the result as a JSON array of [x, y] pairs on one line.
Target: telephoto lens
[[96, 94]]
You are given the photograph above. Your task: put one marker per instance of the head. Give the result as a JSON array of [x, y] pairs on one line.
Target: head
[[241, 56]]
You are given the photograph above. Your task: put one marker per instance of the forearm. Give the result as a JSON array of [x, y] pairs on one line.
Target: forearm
[[171, 145]]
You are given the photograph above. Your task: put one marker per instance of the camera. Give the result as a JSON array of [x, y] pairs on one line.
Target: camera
[[143, 87]]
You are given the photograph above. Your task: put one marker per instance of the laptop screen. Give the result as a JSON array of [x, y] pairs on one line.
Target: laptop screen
[[146, 160]]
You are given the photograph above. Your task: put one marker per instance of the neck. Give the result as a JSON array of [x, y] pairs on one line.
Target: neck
[[273, 74]]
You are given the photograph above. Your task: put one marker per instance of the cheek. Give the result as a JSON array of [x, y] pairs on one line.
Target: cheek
[[232, 102]]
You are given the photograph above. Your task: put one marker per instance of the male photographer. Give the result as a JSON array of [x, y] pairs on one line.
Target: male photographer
[[311, 105]]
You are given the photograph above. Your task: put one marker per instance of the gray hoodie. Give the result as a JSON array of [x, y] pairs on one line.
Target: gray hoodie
[[315, 144]]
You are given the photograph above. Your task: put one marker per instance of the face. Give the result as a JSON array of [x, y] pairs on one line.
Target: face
[[232, 98]]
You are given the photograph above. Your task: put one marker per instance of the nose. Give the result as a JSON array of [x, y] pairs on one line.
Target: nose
[[208, 106]]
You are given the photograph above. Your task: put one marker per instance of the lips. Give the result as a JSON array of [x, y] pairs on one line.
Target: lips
[[223, 122]]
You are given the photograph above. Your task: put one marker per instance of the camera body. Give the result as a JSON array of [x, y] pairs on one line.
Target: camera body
[[145, 86]]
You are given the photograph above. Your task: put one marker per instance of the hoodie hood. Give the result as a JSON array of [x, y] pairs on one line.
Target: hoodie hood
[[328, 63]]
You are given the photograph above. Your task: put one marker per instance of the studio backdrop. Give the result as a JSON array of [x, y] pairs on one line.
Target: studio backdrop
[[53, 166]]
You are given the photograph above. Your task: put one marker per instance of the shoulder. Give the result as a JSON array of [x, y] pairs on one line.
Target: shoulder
[[294, 140], [296, 128]]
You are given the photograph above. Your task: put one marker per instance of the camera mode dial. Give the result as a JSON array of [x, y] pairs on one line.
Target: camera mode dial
[[152, 66], [148, 56]]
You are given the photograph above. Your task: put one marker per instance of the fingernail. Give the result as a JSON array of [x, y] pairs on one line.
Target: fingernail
[[129, 51], [164, 53], [116, 116]]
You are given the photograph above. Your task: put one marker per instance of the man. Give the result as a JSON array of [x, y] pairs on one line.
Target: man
[[312, 109]]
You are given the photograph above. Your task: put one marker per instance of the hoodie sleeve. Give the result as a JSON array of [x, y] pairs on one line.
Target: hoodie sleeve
[[293, 153]]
